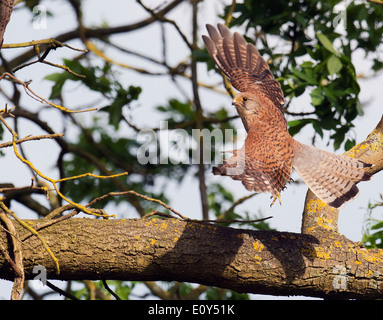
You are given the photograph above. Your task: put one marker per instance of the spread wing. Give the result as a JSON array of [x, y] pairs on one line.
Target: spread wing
[[242, 64], [260, 165]]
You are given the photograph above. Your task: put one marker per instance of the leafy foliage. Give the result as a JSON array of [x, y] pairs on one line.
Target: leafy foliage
[[373, 235], [306, 54], [96, 290]]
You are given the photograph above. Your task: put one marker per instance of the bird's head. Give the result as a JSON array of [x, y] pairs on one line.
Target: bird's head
[[247, 104]]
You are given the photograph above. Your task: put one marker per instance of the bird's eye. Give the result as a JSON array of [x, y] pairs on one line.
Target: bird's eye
[[244, 99]]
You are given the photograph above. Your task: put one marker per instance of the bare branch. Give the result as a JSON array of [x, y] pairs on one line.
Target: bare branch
[[32, 138], [36, 97], [160, 17], [93, 33]]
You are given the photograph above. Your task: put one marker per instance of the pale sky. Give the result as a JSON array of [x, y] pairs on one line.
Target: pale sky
[[156, 91]]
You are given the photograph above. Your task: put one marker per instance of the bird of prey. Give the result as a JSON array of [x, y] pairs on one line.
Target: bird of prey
[[265, 161]]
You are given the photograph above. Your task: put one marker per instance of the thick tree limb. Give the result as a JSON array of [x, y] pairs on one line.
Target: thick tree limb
[[266, 262], [16, 261], [6, 8], [319, 262]]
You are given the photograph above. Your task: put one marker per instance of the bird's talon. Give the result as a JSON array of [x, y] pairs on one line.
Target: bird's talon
[[275, 198]]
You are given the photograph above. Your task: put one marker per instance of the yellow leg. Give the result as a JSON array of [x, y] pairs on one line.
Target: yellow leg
[[275, 198]]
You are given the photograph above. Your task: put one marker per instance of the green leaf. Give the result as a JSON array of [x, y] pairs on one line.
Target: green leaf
[[123, 98], [359, 108], [59, 80], [307, 75], [334, 65], [307, 64], [377, 226], [326, 42], [349, 144], [317, 127], [296, 125], [74, 65], [339, 137], [317, 97], [330, 94]]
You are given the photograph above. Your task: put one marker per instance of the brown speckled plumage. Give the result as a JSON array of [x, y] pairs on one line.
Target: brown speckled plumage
[[266, 160]]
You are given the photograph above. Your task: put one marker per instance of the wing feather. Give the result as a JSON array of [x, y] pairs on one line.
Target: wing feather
[[260, 166], [242, 64]]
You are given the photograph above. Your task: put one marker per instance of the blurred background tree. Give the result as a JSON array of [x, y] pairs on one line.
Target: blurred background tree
[[153, 67]]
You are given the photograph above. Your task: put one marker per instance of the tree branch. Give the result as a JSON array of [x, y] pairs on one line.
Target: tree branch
[[266, 262], [6, 8], [17, 253], [30, 138], [92, 33], [318, 216], [199, 117]]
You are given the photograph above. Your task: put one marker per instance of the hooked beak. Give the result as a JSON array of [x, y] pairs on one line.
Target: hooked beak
[[236, 102]]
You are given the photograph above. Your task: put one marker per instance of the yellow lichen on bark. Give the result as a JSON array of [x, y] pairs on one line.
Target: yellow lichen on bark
[[258, 246], [314, 205]]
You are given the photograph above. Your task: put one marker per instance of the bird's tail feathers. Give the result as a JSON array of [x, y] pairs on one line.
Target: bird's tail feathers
[[331, 177]]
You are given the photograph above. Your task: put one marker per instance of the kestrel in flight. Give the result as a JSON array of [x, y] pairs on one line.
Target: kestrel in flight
[[265, 162]]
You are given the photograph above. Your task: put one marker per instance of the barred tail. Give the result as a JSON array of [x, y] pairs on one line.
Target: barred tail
[[331, 177]]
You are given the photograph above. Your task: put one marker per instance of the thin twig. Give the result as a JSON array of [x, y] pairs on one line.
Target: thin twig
[[110, 290], [162, 18], [122, 193], [93, 48], [58, 211], [31, 138], [42, 60], [233, 220], [229, 16], [52, 42], [60, 291], [199, 117], [162, 214], [236, 203], [40, 226], [36, 97], [7, 187], [53, 181]]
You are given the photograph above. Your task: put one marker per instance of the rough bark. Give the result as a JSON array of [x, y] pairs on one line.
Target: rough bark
[[319, 262], [266, 262], [6, 8]]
